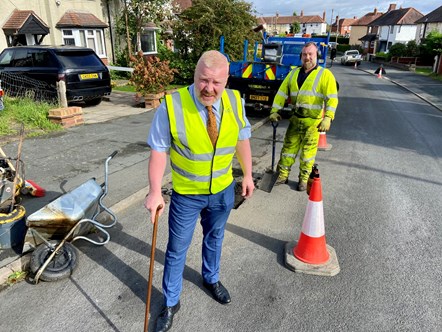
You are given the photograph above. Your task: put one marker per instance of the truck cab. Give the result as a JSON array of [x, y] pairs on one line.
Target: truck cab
[[258, 79]]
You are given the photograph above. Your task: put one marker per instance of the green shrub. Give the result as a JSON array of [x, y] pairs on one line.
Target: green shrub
[[151, 74], [342, 48], [385, 56], [397, 49]]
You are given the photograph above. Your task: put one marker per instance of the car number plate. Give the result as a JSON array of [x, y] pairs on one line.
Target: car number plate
[[88, 76], [259, 98]]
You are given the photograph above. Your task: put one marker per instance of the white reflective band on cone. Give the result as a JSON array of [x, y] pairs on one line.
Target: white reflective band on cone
[[313, 224]]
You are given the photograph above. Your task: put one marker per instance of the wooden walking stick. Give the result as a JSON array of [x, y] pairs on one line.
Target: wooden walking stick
[[152, 262]]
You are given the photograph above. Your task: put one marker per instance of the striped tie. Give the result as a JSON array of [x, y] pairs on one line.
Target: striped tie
[[212, 129]]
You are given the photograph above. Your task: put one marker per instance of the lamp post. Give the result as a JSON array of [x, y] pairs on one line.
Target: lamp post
[[337, 31]]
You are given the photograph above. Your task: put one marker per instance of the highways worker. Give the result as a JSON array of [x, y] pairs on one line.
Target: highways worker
[[309, 87], [202, 126]]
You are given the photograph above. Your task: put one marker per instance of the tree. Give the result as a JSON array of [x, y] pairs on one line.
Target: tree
[[200, 27], [295, 27], [431, 46], [412, 49]]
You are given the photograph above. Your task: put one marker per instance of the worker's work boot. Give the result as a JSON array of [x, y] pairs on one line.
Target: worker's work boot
[[302, 185], [282, 179]]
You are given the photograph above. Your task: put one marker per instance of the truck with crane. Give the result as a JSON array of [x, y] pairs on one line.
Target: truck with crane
[[258, 79]]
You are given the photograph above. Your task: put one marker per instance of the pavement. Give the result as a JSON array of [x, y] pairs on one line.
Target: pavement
[[121, 105]]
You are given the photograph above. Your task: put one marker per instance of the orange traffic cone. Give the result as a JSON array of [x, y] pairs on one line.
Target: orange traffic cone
[[311, 246], [311, 254], [322, 143]]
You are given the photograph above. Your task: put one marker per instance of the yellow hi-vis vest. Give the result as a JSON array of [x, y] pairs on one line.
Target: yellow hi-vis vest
[[198, 167], [319, 88]]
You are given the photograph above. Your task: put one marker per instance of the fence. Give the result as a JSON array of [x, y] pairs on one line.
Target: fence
[[16, 85], [407, 60]]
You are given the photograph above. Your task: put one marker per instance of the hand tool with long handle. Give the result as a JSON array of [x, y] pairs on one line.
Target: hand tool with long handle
[[270, 177], [152, 262]]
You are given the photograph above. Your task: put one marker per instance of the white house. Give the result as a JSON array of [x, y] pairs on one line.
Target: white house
[[310, 24], [396, 26], [430, 22]]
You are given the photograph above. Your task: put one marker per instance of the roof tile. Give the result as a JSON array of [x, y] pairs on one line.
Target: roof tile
[[77, 19]]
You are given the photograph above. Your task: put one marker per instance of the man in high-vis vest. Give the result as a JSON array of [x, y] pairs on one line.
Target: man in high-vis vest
[[310, 89], [201, 166]]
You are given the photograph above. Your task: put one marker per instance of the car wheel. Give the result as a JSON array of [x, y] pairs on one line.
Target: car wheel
[[93, 102], [60, 267]]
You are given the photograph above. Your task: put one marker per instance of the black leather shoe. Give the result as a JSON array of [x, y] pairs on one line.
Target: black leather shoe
[[165, 319], [219, 292]]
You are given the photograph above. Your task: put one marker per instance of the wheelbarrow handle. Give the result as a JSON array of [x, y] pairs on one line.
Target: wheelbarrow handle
[[152, 262]]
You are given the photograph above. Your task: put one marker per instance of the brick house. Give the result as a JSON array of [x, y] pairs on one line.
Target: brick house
[[342, 26], [362, 34]]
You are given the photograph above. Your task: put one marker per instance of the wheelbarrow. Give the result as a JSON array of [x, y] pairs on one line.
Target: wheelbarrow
[[70, 217]]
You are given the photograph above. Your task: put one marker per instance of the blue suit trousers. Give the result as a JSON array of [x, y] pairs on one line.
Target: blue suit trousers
[[184, 211]]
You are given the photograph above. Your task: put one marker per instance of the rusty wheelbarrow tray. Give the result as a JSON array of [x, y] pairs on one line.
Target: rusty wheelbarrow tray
[[70, 217]]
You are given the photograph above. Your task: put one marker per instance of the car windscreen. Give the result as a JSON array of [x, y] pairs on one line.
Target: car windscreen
[[79, 60], [6, 57]]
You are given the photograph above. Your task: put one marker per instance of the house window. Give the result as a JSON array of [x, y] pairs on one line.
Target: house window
[[68, 37], [391, 28], [369, 29], [148, 42], [92, 38]]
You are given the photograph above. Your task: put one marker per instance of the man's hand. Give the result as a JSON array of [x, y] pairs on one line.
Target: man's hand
[[152, 202], [275, 117], [247, 187], [325, 124]]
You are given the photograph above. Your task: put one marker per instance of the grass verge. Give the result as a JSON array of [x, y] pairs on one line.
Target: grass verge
[[428, 72], [33, 115]]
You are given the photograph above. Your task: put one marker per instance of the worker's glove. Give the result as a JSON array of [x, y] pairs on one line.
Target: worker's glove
[[275, 117], [325, 124]]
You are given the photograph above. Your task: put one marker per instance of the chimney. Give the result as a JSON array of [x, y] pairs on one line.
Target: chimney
[[323, 15], [337, 19], [375, 11], [302, 13], [392, 7]]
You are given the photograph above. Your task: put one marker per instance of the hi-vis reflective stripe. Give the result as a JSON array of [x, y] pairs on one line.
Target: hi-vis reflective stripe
[[313, 224], [247, 70], [270, 73], [200, 178]]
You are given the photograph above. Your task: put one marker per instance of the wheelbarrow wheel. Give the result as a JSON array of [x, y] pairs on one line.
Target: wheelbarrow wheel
[[61, 266]]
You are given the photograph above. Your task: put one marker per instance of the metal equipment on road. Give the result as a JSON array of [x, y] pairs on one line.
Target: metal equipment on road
[[270, 176], [70, 217]]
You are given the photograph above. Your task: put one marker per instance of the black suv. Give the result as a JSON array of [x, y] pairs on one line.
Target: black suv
[[87, 78]]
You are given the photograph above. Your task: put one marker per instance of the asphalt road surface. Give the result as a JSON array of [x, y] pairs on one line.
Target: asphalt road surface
[[381, 186]]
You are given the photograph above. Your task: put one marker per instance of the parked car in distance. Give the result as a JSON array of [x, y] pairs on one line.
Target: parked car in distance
[[87, 78], [351, 57]]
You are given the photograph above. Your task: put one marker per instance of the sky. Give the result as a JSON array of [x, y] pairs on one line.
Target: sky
[[341, 8]]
